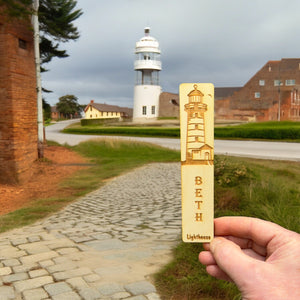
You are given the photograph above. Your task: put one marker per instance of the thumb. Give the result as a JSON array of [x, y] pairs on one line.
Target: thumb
[[231, 259]]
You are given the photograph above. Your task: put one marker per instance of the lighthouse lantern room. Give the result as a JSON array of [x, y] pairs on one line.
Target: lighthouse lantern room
[[147, 65]]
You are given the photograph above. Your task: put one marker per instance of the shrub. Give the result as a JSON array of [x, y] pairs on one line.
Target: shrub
[[266, 130], [93, 122]]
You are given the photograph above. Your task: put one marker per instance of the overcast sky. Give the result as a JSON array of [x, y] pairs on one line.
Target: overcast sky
[[224, 42]]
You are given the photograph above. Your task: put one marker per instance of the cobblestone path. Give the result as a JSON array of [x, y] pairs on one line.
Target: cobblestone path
[[104, 246]]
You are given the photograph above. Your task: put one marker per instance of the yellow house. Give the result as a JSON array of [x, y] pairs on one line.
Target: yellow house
[[104, 111]]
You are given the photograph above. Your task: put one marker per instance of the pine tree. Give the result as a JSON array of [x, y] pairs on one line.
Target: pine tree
[[56, 19]]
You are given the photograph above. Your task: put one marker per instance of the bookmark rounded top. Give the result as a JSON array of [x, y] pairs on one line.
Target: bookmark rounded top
[[195, 92]]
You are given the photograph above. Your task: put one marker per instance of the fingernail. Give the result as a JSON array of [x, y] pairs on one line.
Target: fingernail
[[214, 243]]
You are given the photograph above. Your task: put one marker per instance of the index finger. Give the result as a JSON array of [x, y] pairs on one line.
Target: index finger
[[259, 231]]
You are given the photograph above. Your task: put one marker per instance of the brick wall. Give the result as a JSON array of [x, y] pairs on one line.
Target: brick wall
[[168, 105], [259, 99], [18, 111]]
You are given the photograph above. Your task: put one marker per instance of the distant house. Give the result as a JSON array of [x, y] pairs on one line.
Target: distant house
[[169, 102], [55, 114], [273, 93], [104, 111], [168, 105]]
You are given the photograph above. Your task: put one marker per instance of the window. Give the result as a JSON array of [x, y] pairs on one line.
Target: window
[[257, 95], [262, 82], [277, 82], [22, 44], [144, 110], [290, 82], [174, 102], [153, 109]]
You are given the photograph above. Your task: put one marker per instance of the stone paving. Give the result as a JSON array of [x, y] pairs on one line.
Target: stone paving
[[104, 246]]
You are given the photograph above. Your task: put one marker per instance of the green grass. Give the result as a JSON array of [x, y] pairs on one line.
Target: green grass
[[268, 190], [35, 211], [125, 131], [186, 278], [109, 158], [112, 157], [284, 130]]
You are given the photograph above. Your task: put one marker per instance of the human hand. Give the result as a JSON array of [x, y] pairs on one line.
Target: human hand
[[260, 257]]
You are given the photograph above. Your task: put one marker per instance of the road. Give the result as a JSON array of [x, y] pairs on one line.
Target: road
[[254, 149]]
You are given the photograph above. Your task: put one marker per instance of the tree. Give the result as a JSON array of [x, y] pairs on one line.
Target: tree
[[68, 106], [46, 110], [56, 19]]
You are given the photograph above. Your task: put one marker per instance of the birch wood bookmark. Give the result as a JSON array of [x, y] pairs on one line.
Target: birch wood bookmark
[[197, 161]]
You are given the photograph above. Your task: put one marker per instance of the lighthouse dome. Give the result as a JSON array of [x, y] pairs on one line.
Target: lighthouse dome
[[147, 43], [195, 92]]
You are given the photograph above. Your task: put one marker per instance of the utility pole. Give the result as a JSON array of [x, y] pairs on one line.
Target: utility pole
[[279, 94], [279, 103], [36, 31]]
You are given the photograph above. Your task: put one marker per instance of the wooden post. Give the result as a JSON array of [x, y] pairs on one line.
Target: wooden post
[[197, 161]]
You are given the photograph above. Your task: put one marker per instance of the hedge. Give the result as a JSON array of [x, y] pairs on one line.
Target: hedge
[[259, 133], [91, 122]]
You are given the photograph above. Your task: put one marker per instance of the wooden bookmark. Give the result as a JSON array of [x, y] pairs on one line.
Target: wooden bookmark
[[197, 161]]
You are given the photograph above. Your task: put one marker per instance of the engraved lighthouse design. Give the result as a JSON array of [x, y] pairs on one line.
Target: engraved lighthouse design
[[197, 150]]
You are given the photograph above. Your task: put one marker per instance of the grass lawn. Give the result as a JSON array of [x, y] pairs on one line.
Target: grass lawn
[[143, 131], [259, 188], [285, 131]]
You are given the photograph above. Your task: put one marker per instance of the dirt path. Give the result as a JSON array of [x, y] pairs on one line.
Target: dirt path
[[43, 179]]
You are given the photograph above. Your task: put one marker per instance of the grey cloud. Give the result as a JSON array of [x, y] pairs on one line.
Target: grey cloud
[[223, 42]]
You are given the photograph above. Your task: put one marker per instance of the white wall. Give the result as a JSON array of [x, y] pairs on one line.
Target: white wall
[[146, 95]]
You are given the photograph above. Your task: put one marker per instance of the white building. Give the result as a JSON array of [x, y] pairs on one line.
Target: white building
[[147, 65]]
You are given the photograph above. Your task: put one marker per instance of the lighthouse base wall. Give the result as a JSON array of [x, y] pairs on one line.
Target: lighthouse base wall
[[146, 102]]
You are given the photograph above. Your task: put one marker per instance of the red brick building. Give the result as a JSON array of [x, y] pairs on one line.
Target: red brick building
[[55, 114], [273, 93], [169, 102], [18, 100], [168, 105]]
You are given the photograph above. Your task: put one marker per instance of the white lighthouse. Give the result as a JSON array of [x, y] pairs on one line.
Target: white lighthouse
[[147, 65]]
